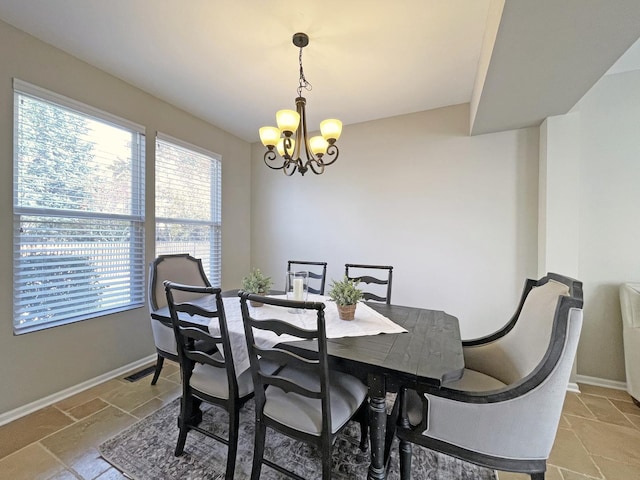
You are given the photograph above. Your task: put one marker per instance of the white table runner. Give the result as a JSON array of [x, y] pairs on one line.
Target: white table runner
[[366, 322]]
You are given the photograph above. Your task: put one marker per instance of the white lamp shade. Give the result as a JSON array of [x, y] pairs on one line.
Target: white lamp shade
[[287, 120], [269, 136], [331, 128], [280, 147], [318, 145]]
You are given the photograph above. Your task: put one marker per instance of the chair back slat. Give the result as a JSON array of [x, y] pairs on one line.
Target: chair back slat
[[280, 327], [358, 272], [291, 387], [319, 274], [372, 296]]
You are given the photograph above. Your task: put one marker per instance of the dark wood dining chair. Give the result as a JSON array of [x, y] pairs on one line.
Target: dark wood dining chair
[[206, 377], [504, 412], [305, 400], [180, 268], [318, 274], [364, 274]]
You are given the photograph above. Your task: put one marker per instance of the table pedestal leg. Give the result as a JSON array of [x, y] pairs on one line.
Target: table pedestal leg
[[377, 426], [404, 447]]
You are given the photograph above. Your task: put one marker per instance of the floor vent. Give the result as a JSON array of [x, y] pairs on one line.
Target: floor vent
[[134, 377]]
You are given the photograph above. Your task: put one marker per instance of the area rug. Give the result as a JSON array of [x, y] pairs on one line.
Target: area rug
[[145, 451]]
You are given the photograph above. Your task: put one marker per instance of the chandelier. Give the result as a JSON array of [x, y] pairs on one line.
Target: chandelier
[[290, 138]]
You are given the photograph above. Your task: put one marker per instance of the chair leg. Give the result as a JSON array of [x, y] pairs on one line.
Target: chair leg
[[327, 463], [405, 451], [234, 423], [258, 449], [183, 424], [537, 476], [156, 373]]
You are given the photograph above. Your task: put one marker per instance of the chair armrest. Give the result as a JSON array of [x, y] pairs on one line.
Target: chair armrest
[[528, 285]]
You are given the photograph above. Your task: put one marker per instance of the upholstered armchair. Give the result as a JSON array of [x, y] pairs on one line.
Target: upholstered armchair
[[179, 268], [504, 411], [630, 307]]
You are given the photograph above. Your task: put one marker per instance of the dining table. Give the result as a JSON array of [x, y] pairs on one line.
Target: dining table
[[425, 348]]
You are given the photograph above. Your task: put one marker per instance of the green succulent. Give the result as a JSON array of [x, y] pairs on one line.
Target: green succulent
[[345, 292], [256, 282]]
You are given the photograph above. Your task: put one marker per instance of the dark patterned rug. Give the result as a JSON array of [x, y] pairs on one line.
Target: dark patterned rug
[[144, 451]]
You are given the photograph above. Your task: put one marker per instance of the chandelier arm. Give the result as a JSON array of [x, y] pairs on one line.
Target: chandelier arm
[[270, 156], [289, 171], [331, 150], [287, 146], [320, 163]]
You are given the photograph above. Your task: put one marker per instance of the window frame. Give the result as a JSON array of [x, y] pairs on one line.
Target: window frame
[[212, 265], [137, 272]]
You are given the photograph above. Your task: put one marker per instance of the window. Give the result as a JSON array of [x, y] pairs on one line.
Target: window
[[188, 212], [78, 205]]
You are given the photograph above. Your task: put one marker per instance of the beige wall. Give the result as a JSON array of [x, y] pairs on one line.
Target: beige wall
[[609, 228], [455, 215], [39, 364], [590, 177]]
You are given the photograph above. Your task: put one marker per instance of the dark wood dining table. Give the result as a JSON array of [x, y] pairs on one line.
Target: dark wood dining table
[[430, 352]]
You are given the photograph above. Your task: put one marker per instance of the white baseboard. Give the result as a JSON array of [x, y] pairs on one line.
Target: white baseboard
[[601, 382], [12, 415]]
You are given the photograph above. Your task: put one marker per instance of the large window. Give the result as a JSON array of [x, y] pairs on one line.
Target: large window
[[188, 213], [78, 204]]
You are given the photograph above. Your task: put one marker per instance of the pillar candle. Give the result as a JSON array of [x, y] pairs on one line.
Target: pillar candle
[[298, 289]]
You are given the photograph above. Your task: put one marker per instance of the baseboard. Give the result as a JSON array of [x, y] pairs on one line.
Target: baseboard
[[12, 415], [601, 382]]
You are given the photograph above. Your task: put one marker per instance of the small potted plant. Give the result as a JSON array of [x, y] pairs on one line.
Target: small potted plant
[[256, 282], [346, 295]]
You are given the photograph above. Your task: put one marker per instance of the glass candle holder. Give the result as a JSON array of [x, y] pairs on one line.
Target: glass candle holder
[[297, 286]]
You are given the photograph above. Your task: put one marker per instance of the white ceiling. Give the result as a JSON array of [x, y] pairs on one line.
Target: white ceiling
[[232, 63]]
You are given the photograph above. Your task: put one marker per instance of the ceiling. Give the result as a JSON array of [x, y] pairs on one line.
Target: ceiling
[[232, 63]]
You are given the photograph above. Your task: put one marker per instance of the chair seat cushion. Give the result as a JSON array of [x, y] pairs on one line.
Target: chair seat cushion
[[474, 381], [471, 381], [213, 381], [305, 414]]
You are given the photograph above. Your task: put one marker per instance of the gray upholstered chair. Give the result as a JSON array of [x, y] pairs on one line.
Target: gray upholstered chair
[[504, 412], [180, 268], [630, 308], [365, 274], [317, 272], [305, 400]]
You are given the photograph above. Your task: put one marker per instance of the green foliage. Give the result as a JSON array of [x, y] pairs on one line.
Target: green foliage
[[345, 292], [256, 282], [54, 156]]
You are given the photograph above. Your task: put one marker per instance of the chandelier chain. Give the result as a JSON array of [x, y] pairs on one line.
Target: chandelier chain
[[303, 83]]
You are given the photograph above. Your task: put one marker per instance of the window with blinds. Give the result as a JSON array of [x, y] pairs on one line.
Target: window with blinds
[[188, 203], [78, 208]]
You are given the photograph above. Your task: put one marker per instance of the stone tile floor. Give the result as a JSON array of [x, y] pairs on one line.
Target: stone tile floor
[[598, 437]]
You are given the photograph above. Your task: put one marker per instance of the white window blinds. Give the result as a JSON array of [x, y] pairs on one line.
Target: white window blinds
[[188, 203], [78, 202]]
